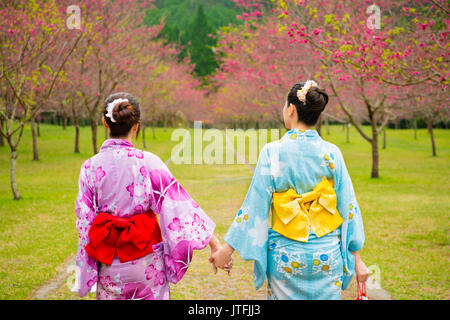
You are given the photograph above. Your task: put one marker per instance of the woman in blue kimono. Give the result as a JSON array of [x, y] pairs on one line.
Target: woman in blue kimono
[[311, 248]]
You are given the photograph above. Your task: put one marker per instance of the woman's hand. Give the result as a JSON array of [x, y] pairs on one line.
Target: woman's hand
[[221, 258], [227, 267], [361, 271], [216, 248], [214, 244]]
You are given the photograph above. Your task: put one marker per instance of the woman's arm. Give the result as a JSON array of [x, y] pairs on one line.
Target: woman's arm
[[362, 272], [352, 236], [185, 227], [84, 207], [248, 233], [214, 243]]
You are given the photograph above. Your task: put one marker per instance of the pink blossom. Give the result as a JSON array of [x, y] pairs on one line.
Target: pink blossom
[[317, 31]]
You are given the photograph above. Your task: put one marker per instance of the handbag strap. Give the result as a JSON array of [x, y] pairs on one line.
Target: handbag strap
[[361, 287]]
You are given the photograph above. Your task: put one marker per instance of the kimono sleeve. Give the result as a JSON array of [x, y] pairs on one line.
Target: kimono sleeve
[[352, 229], [248, 234], [87, 271], [184, 225]]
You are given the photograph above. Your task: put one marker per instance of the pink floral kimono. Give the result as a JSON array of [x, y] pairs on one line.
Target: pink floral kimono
[[124, 182]]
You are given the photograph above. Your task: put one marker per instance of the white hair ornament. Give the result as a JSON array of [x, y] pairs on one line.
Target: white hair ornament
[[110, 107]]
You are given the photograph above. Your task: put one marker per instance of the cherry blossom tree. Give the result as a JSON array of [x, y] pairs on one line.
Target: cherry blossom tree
[[167, 90], [32, 57], [253, 82], [371, 62], [109, 58], [66, 101], [430, 102]]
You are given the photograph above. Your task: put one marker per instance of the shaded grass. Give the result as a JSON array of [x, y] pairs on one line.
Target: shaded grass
[[405, 212]]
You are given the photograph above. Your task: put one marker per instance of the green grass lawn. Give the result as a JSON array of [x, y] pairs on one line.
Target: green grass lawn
[[406, 213]]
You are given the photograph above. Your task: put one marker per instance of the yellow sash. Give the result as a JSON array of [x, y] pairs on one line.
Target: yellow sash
[[293, 215]]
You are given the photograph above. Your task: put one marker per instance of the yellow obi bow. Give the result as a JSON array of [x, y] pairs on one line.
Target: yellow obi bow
[[293, 215]]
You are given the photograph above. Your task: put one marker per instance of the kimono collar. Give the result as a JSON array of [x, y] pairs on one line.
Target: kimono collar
[[116, 143], [301, 134]]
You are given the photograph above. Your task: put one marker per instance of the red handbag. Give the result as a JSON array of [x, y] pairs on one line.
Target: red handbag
[[361, 291]]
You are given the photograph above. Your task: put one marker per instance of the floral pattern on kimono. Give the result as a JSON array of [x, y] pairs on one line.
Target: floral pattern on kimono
[[124, 181]]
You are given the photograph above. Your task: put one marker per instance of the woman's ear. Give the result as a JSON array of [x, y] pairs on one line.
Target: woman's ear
[[291, 110], [104, 122], [136, 129]]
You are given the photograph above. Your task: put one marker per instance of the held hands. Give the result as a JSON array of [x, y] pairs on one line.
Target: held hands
[[221, 258]]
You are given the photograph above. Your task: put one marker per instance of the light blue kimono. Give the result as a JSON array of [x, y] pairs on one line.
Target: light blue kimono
[[321, 267]]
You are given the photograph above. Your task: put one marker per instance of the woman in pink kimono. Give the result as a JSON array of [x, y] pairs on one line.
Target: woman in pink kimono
[[122, 247]]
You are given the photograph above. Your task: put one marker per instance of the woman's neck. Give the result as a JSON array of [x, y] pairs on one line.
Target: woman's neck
[[301, 126], [128, 138]]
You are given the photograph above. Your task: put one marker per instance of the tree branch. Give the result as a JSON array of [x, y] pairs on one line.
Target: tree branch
[[348, 113]]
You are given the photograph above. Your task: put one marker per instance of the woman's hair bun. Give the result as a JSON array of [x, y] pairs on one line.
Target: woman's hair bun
[[122, 112], [309, 111], [316, 99]]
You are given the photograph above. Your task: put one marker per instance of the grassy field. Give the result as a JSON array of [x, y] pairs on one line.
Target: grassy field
[[406, 213]]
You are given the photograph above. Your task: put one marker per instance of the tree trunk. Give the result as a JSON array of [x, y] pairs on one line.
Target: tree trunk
[[327, 125], [35, 140], [415, 129], [165, 122], [77, 137], [38, 126], [94, 135], [430, 131], [15, 192], [2, 140], [347, 132], [153, 129], [143, 136], [384, 138], [64, 122], [374, 151]]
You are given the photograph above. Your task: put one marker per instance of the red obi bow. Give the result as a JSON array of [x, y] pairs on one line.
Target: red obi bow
[[129, 239]]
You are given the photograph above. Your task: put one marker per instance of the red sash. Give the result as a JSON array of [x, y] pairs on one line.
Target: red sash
[[129, 239]]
